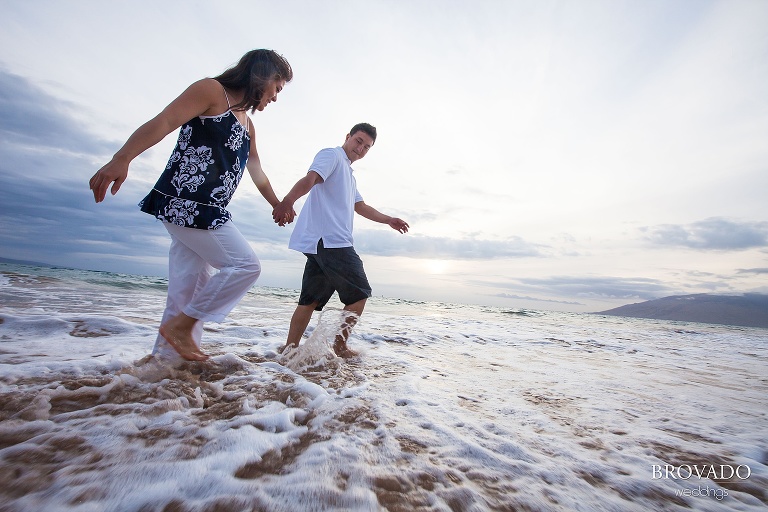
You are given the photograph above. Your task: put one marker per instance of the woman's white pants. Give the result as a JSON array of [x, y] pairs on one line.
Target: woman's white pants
[[209, 271]]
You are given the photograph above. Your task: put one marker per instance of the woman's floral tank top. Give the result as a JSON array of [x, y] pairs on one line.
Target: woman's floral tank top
[[202, 174]]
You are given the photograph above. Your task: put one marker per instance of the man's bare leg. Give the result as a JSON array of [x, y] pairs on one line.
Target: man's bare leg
[[299, 322], [340, 344], [177, 331]]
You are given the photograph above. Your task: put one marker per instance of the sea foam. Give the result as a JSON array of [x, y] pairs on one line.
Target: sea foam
[[449, 407]]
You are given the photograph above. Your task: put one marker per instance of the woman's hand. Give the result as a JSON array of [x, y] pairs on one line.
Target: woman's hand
[[283, 213], [115, 173]]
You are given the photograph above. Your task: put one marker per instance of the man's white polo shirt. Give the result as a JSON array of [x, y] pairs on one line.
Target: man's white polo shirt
[[329, 211]]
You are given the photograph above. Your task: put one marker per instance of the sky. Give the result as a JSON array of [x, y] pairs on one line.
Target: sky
[[551, 155]]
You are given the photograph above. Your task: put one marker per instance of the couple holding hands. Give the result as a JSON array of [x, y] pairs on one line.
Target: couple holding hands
[[211, 264]]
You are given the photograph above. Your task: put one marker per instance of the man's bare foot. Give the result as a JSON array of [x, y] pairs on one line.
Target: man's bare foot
[[286, 347], [180, 338], [144, 360], [342, 350]]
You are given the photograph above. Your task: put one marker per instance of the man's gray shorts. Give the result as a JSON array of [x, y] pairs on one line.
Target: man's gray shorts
[[333, 270]]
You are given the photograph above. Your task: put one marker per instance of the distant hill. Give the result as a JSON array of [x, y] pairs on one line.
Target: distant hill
[[24, 262], [748, 310]]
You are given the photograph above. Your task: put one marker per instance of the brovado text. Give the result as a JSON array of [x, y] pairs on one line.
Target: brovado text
[[711, 471]]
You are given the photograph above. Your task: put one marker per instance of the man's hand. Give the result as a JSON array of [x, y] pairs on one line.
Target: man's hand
[[398, 225], [283, 213]]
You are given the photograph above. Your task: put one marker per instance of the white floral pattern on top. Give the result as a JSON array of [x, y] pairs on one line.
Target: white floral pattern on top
[[237, 137], [202, 174], [223, 194], [184, 137], [191, 171], [181, 212]]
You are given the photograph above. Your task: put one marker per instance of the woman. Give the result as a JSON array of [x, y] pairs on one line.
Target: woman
[[216, 143]]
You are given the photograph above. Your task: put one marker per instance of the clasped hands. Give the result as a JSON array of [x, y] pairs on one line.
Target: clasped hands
[[283, 214]]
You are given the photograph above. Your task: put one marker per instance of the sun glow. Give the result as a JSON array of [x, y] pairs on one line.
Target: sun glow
[[436, 266]]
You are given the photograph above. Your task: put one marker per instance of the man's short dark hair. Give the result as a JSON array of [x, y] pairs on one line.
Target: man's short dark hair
[[365, 128]]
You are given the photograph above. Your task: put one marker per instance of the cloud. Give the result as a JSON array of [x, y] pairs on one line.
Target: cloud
[[31, 117], [597, 287], [753, 271], [525, 297], [385, 243], [48, 213], [715, 233]]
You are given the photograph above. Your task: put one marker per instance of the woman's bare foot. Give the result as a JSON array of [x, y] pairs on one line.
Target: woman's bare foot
[[178, 333], [342, 350]]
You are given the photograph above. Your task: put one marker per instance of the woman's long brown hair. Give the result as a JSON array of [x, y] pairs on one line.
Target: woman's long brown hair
[[255, 69]]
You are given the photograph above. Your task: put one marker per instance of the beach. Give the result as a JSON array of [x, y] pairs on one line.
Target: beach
[[449, 407]]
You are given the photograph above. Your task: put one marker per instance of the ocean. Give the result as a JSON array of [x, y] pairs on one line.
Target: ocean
[[449, 407]]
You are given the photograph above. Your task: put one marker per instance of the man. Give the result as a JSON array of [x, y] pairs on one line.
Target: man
[[323, 233]]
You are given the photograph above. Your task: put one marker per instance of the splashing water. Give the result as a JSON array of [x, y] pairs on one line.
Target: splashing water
[[317, 352]]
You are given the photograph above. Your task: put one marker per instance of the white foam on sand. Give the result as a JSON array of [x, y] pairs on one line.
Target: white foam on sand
[[448, 408]]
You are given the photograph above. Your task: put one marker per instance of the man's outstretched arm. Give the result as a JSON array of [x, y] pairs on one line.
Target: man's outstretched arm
[[302, 187], [371, 213]]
